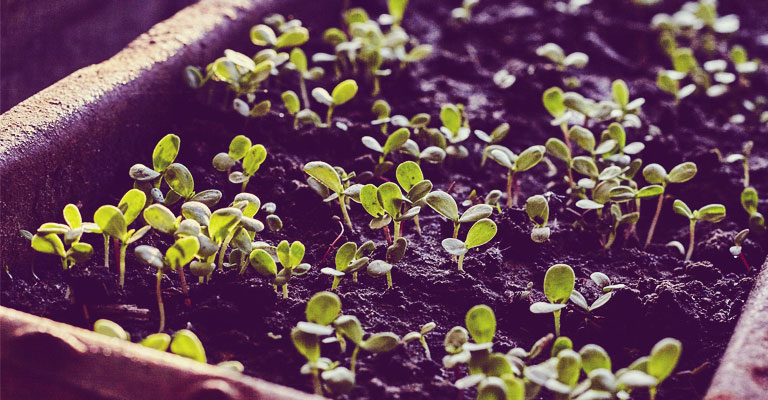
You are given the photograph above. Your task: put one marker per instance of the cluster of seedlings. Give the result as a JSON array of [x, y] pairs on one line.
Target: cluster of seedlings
[[600, 175]]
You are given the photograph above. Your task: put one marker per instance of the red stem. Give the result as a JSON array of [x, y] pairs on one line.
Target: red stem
[[333, 243], [450, 187], [386, 232], [184, 288], [744, 260]]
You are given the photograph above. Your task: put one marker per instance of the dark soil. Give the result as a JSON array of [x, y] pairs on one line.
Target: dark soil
[[240, 317]]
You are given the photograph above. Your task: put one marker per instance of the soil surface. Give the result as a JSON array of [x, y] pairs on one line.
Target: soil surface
[[242, 318]]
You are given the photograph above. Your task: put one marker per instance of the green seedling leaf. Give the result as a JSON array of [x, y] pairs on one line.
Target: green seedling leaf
[[238, 147], [537, 209], [178, 177], [408, 174], [253, 159], [476, 213], [182, 252], [450, 116], [681, 208], [349, 326], [663, 358], [49, 244], [545, 308], [344, 92], [396, 251], [454, 246], [131, 204], [396, 140], [222, 221], [150, 256], [325, 174], [480, 233], [323, 308], [655, 174], [529, 158], [142, 173], [72, 216], [381, 342], [749, 200], [620, 93], [291, 102], [160, 218], [195, 211], [712, 213], [560, 344], [111, 221], [111, 329], [292, 37], [263, 35], [682, 173], [594, 357], [165, 152], [583, 137], [481, 323], [296, 254], [263, 263], [553, 102], [397, 9], [390, 198], [186, 344], [157, 341], [558, 283], [444, 204]]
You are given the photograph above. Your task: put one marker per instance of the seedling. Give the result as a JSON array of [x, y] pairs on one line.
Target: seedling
[[662, 361], [47, 238], [385, 204], [736, 248], [619, 218], [669, 81], [537, 209], [553, 102], [342, 93], [382, 109], [464, 13], [394, 142], [186, 344], [558, 286], [496, 136], [178, 255], [165, 153], [556, 55], [395, 253], [350, 327], [455, 128], [749, 201], [515, 164], [111, 329], [711, 213], [445, 205], [410, 177], [655, 174], [327, 176], [625, 110], [349, 260], [236, 222], [421, 337], [479, 234], [742, 157], [263, 35], [240, 148], [114, 221], [604, 283], [299, 62], [289, 256], [322, 309]]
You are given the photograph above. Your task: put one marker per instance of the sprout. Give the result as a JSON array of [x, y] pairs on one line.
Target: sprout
[[397, 10], [749, 201], [555, 53], [114, 221], [47, 238], [322, 309], [618, 218], [395, 253], [743, 157], [385, 204], [421, 337], [662, 361], [455, 128], [328, 177], [111, 329], [625, 109], [711, 213], [394, 141], [237, 223], [292, 105], [349, 326], [263, 35], [604, 283], [537, 209], [496, 136], [382, 110], [178, 255], [741, 62], [349, 260], [445, 205], [479, 234], [240, 148], [669, 81], [299, 61], [558, 286], [342, 93], [515, 164], [655, 174], [289, 256], [464, 13], [735, 250], [186, 344]]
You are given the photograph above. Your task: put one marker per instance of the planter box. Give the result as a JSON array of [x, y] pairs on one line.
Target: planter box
[[82, 129]]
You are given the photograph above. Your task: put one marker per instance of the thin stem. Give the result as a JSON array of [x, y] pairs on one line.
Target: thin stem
[[557, 322], [744, 260], [509, 188], [160, 307], [285, 291], [564, 128], [316, 382], [353, 360], [417, 225], [242, 188], [652, 389], [745, 163], [456, 226], [64, 263], [123, 248], [184, 288], [344, 213], [354, 277], [386, 233], [691, 242], [397, 229], [570, 177], [515, 189], [336, 281], [655, 219], [611, 239], [223, 249], [106, 251], [389, 279], [303, 89], [426, 347], [461, 262], [328, 116]]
